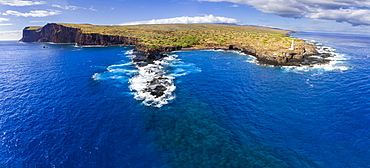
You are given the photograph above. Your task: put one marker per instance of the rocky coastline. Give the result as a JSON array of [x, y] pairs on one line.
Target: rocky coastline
[[305, 54], [146, 57]]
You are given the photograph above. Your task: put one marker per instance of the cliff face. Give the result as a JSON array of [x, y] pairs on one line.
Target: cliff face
[[60, 34], [30, 35], [105, 40]]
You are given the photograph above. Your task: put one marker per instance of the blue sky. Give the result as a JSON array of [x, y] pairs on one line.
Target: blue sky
[[351, 16]]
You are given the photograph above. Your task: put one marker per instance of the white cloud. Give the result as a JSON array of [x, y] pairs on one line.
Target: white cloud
[[92, 8], [187, 20], [21, 3], [327, 26], [4, 19], [354, 16], [6, 24], [66, 7], [10, 35], [39, 21], [355, 12], [70, 7], [235, 6], [36, 13]]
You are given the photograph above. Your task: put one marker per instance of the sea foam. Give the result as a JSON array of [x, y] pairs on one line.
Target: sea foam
[[337, 61], [148, 78], [159, 74], [154, 83]]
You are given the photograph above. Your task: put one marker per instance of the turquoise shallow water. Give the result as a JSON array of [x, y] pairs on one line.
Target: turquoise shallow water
[[66, 106]]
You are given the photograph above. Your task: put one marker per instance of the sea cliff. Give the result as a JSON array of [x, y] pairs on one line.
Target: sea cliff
[[57, 33], [269, 46]]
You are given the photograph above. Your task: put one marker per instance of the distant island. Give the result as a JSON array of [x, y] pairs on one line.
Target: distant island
[[269, 46]]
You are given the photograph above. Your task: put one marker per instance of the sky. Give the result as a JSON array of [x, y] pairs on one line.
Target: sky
[[345, 16]]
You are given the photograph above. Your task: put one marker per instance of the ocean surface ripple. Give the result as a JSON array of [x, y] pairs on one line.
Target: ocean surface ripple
[[65, 106]]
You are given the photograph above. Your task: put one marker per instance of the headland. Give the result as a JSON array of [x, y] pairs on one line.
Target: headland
[[269, 46]]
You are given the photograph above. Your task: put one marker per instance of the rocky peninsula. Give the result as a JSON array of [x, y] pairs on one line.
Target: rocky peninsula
[[269, 46]]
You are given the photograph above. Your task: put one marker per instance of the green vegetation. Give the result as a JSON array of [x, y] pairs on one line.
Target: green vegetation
[[33, 28], [153, 46], [186, 41], [199, 35]]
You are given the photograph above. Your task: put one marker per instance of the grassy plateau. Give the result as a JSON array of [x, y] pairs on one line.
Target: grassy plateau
[[199, 35]]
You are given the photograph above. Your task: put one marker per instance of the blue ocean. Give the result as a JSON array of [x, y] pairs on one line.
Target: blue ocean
[[67, 106]]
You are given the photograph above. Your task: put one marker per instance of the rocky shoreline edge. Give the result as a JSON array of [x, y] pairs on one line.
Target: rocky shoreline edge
[[305, 54]]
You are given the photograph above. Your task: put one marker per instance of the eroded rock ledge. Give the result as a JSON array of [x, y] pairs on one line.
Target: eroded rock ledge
[[57, 33]]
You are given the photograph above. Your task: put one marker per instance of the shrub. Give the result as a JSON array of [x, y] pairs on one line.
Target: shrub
[[187, 41]]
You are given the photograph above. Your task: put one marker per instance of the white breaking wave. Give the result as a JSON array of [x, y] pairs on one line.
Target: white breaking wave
[[130, 52], [119, 71], [153, 83], [337, 61], [250, 59], [149, 82]]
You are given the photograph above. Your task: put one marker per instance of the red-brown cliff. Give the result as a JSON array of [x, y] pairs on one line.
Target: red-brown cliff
[[56, 33]]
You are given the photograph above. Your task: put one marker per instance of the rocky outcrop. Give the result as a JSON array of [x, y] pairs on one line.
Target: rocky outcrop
[[298, 56], [155, 52], [157, 86]]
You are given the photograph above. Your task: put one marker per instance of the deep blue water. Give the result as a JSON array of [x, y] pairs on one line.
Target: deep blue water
[[65, 106]]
